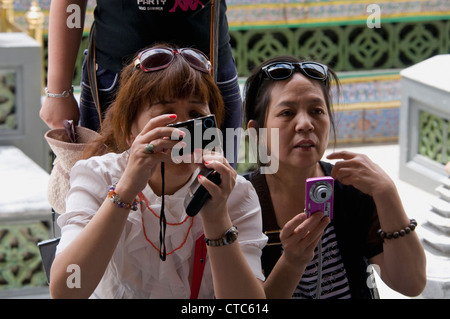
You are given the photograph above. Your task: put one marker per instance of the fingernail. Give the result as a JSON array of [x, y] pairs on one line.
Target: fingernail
[[206, 162], [173, 116], [200, 176]]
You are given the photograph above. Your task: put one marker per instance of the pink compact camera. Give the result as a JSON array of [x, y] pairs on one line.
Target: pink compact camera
[[319, 195]]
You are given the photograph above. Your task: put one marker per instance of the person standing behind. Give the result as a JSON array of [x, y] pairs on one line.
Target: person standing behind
[[123, 27]]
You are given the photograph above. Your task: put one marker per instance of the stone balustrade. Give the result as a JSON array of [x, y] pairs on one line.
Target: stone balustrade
[[424, 119], [436, 240], [25, 220]]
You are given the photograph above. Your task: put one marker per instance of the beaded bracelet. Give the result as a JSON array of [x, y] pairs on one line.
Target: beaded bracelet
[[400, 233], [112, 195]]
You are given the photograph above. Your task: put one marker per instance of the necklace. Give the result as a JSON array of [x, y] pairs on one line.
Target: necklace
[[143, 200]]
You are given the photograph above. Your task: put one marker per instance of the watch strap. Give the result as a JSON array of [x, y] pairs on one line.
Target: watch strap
[[228, 238]]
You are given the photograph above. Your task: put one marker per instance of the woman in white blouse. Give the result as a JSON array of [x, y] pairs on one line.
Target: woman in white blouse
[[113, 230]]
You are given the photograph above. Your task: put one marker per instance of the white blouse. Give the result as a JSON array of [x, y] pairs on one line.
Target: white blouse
[[135, 269]]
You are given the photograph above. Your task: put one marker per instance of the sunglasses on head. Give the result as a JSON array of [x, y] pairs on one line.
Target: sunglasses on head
[[155, 59], [283, 70]]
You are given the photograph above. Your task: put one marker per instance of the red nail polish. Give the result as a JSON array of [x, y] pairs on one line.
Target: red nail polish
[[200, 176], [206, 162], [173, 116]]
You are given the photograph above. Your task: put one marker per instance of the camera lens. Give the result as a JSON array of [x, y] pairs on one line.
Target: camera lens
[[208, 123], [321, 192]]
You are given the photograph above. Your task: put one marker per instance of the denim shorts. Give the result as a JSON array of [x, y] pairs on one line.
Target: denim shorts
[[107, 84]]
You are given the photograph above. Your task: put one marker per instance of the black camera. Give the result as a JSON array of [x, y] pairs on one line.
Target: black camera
[[201, 133], [197, 194]]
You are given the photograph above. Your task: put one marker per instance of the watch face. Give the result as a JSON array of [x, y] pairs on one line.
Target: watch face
[[231, 235]]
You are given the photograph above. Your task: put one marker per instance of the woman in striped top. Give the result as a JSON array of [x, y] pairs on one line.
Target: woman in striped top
[[319, 257]]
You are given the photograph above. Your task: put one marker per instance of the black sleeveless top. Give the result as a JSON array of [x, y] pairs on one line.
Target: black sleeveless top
[[123, 27]]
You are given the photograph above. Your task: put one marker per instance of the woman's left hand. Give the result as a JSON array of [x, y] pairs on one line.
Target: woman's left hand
[[403, 261], [360, 172], [217, 204]]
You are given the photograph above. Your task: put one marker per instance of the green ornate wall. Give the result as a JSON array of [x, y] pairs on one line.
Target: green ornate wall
[[333, 31], [434, 137], [20, 260], [345, 47]]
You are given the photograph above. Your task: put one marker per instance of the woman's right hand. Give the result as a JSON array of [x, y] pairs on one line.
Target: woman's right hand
[[55, 110], [141, 165], [300, 236]]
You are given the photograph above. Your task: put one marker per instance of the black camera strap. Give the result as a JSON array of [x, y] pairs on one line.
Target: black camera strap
[[162, 220]]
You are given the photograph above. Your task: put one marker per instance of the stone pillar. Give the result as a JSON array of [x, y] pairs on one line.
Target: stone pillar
[[35, 19], [424, 122], [20, 96], [6, 15]]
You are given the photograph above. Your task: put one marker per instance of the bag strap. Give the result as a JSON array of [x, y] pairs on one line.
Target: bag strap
[[213, 40], [262, 189], [199, 266], [92, 73], [273, 250]]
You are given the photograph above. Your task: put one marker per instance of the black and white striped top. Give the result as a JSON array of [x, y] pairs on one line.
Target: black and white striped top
[[328, 265]]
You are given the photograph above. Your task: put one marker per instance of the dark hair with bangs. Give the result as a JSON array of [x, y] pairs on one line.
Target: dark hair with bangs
[[257, 92], [139, 89]]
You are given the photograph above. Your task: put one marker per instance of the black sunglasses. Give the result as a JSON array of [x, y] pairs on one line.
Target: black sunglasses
[[283, 70]]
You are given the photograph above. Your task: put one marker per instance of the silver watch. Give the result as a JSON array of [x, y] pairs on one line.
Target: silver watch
[[66, 93], [229, 237]]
